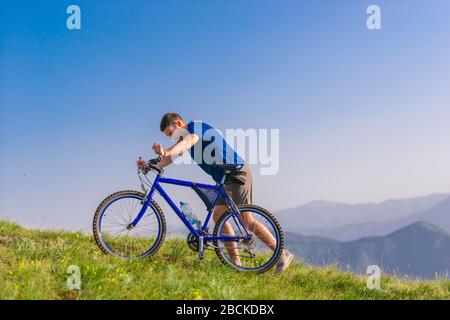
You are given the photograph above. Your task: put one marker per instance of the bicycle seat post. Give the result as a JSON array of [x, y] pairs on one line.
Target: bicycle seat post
[[223, 178]]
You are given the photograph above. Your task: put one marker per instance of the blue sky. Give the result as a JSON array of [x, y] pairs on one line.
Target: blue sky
[[363, 115]]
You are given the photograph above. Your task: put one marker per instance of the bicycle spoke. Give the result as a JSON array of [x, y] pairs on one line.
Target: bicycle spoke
[[126, 240], [248, 253]]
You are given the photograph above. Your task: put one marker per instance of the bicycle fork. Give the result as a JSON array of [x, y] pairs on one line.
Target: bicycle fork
[[145, 204]]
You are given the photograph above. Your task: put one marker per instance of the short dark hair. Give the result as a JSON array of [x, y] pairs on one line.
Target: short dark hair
[[168, 118]]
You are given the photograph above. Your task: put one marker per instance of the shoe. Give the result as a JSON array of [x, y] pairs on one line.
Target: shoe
[[284, 261]]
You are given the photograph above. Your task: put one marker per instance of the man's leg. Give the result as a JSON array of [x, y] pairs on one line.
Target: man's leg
[[243, 194], [259, 230], [266, 236], [228, 231]]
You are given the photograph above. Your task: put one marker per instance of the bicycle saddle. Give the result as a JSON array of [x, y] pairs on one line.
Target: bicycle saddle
[[228, 167], [233, 173]]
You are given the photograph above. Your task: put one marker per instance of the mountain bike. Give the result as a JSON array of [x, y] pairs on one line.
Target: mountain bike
[[131, 224]]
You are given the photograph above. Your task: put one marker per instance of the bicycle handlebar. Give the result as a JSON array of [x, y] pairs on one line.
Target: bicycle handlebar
[[152, 165]]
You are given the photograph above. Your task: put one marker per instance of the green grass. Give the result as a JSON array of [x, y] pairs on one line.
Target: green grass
[[33, 265]]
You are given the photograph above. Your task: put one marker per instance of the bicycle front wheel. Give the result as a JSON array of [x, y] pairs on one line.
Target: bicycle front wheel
[[261, 251], [114, 233]]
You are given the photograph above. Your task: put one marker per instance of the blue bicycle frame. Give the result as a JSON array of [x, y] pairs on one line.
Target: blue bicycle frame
[[202, 233]]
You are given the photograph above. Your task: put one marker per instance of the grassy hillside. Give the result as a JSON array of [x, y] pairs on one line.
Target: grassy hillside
[[33, 265]]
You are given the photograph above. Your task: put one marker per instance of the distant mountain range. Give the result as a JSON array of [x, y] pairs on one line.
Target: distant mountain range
[[346, 222], [419, 250]]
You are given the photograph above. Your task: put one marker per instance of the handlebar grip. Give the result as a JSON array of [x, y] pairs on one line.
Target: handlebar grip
[[156, 168], [151, 165], [155, 161]]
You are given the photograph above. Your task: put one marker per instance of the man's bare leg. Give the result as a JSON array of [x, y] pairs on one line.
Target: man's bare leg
[[264, 234], [258, 229], [228, 231]]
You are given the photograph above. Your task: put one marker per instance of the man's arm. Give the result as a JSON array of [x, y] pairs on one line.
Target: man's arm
[[170, 154]]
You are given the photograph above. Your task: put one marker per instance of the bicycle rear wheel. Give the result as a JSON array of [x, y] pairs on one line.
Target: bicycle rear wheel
[[113, 233], [256, 255]]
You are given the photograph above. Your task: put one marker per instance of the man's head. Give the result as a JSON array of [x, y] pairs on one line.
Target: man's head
[[170, 122]]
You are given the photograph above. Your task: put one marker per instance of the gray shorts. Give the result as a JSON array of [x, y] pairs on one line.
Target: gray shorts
[[241, 194]]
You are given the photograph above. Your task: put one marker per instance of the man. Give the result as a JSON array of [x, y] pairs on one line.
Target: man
[[198, 137]]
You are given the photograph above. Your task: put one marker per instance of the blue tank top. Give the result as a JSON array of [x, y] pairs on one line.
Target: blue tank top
[[211, 148]]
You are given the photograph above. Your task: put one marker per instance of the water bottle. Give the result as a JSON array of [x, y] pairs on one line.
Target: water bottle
[[187, 211]]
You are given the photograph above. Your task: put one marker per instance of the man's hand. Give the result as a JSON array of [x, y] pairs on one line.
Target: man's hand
[[159, 150], [170, 154], [140, 164]]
